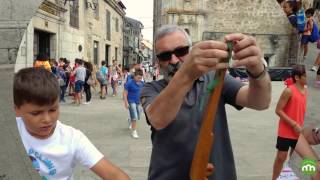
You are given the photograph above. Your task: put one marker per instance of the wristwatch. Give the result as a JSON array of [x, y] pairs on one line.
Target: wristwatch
[[259, 76]]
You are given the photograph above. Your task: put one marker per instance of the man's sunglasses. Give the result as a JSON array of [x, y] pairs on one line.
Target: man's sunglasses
[[179, 52]]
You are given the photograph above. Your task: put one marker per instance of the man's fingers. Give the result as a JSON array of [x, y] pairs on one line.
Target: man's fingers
[[244, 43], [211, 63], [210, 169], [212, 53], [234, 37], [211, 45], [222, 66], [249, 51], [208, 62]]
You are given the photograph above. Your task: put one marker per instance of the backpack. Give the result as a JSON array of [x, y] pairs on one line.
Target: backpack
[[301, 20], [115, 76], [100, 77], [315, 32]]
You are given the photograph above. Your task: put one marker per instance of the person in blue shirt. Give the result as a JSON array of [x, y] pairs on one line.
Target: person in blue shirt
[[101, 76], [290, 8], [131, 98]]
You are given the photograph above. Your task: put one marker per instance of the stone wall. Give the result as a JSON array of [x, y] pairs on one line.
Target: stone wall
[[14, 17], [187, 14], [65, 40], [263, 19]]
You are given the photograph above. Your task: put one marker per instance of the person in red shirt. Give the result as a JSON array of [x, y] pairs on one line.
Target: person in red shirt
[[291, 109]]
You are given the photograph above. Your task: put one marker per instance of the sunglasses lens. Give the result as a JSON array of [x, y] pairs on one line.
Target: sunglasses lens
[[165, 56], [181, 51]]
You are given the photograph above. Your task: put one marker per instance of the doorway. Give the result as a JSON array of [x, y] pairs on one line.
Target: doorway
[[95, 52], [41, 44], [107, 54]]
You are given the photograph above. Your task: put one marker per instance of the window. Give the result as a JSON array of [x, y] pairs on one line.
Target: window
[[187, 31], [96, 8], [316, 4], [117, 25], [74, 13], [108, 27], [116, 53], [95, 52]]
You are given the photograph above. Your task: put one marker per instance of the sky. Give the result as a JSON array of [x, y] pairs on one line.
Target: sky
[[141, 10]]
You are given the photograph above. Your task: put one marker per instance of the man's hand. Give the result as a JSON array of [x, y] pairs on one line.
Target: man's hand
[[203, 57], [246, 53]]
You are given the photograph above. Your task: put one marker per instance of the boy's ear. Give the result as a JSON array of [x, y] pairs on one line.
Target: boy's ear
[[17, 111]]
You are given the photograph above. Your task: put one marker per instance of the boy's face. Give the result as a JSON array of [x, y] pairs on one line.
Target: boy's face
[[301, 80], [286, 8], [138, 78], [40, 121]]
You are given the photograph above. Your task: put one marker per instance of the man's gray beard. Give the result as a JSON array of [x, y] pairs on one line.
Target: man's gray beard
[[170, 71]]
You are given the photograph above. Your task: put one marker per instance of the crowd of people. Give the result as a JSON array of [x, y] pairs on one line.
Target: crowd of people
[[80, 79], [305, 24]]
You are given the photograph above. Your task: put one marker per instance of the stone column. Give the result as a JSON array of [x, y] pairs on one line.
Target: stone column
[[14, 16]]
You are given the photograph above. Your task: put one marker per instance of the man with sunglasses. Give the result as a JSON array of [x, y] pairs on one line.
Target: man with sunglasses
[[172, 105]]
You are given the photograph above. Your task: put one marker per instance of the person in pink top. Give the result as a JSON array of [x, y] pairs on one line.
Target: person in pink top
[[291, 109]]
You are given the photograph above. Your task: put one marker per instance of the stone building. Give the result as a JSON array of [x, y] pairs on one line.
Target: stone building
[[132, 42], [189, 14], [88, 29], [147, 52], [14, 16], [212, 19]]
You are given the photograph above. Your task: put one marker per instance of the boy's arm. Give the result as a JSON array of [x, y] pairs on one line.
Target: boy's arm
[[284, 98], [107, 171], [73, 72], [309, 27], [125, 98]]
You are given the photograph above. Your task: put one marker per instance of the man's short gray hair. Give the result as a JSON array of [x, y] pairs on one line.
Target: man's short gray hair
[[167, 29]]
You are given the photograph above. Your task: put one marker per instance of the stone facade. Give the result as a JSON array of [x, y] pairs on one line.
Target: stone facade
[[14, 17], [265, 20], [13, 24], [212, 19], [146, 49], [132, 42], [85, 37], [189, 14]]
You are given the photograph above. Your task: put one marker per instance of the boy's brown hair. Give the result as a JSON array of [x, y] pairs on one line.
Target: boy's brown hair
[[309, 12], [138, 72], [297, 70], [35, 85]]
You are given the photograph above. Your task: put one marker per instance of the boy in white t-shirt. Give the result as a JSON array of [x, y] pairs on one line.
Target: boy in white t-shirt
[[54, 148]]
